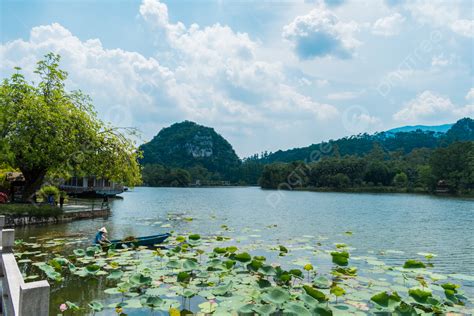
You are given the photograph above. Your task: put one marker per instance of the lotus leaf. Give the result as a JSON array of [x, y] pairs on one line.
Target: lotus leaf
[[229, 264], [340, 258], [173, 264], [92, 269], [190, 264], [420, 295], [266, 309], [321, 310], [450, 286], [296, 272], [140, 279], [50, 272], [115, 275], [184, 277], [243, 257], [283, 250], [276, 295], [296, 309], [320, 296], [386, 299], [194, 237], [73, 307], [254, 265], [267, 270], [223, 289], [413, 264], [61, 261], [345, 271], [96, 306], [337, 291], [220, 251], [208, 307], [322, 283], [112, 290], [151, 301]]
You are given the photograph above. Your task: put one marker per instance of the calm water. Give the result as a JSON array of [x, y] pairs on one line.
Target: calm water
[[379, 222]]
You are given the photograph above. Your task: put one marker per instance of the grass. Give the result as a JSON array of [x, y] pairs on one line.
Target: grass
[[25, 209]]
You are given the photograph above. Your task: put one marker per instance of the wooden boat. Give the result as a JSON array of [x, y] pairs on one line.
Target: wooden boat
[[141, 241]]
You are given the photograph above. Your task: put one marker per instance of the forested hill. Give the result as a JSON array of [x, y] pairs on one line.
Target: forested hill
[[191, 147], [187, 153], [462, 130]]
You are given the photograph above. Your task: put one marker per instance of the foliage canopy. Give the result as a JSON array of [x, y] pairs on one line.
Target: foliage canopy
[[47, 130]]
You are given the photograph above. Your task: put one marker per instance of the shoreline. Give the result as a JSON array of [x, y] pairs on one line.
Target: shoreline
[[375, 190]]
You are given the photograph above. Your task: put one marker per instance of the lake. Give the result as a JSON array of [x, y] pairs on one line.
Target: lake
[[389, 227]]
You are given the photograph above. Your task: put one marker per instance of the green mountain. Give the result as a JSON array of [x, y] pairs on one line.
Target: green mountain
[[362, 144], [437, 128], [187, 145], [186, 153]]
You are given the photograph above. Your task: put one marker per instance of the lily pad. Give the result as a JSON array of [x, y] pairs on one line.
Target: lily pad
[[386, 299], [413, 264], [314, 293], [276, 295]]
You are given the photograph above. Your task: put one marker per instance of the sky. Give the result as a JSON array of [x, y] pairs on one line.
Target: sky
[[266, 75]]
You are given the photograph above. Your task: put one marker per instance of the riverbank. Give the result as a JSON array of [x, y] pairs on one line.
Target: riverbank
[[380, 189], [32, 214]]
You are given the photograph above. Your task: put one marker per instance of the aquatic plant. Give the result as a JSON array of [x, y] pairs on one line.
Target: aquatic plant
[[209, 275]]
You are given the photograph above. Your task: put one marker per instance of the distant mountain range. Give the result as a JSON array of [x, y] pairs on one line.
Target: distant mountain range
[[390, 141], [199, 149], [436, 128]]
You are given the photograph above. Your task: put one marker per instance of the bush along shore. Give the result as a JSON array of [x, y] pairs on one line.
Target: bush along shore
[[220, 276], [32, 214], [28, 214], [445, 170]]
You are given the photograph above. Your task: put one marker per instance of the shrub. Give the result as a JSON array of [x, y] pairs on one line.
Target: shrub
[[48, 190], [401, 179], [30, 210]]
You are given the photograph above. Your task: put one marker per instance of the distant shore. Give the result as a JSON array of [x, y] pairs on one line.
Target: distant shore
[[382, 189]]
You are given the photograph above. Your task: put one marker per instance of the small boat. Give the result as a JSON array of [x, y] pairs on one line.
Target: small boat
[[141, 241]]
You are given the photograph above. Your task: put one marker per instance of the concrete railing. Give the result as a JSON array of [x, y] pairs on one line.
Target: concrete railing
[[19, 298]]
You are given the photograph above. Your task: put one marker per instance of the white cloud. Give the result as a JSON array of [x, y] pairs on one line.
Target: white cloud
[[345, 95], [470, 94], [118, 80], [216, 77], [430, 107], [221, 65], [322, 82], [442, 14], [357, 119], [320, 33], [441, 60], [389, 25], [464, 27]]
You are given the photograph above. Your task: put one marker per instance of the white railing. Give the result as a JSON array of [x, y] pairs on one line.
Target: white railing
[[19, 298]]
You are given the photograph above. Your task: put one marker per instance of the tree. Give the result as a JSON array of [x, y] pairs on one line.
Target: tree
[[425, 177], [401, 179], [378, 173], [46, 130], [455, 166]]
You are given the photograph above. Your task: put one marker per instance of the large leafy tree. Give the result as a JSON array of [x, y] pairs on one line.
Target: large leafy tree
[[46, 130]]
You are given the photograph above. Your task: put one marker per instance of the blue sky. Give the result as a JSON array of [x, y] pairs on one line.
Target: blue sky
[[267, 75]]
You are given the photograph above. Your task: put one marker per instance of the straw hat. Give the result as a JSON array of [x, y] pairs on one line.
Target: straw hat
[[103, 229]]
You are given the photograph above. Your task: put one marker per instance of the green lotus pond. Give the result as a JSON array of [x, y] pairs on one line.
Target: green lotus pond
[[238, 269]]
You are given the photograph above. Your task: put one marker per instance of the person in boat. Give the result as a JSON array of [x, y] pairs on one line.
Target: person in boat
[[101, 237]]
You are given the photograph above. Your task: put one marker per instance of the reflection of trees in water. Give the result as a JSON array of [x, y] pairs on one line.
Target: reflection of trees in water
[[77, 290]]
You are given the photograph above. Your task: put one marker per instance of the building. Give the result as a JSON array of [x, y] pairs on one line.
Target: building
[[91, 186]]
